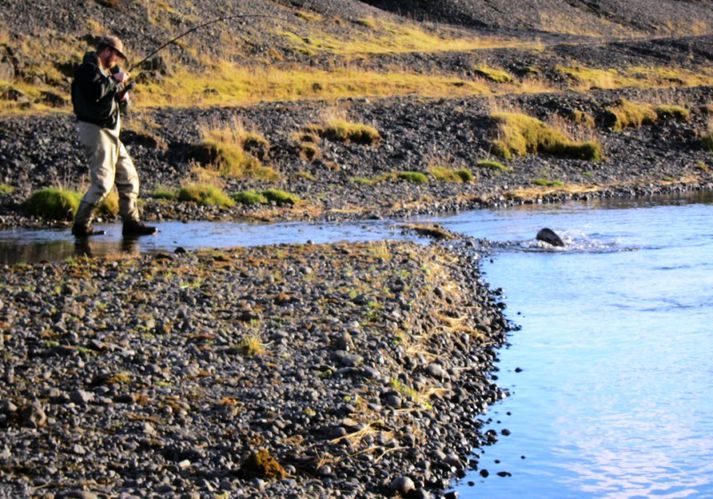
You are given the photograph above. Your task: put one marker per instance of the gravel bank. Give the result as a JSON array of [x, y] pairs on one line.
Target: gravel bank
[[663, 157], [348, 369]]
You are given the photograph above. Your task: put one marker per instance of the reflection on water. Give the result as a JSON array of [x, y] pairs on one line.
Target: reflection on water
[[615, 356]]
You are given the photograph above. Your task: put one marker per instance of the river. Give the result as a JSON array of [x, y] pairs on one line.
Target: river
[[611, 372]]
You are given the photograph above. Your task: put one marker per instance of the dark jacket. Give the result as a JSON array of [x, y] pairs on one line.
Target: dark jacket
[[94, 95]]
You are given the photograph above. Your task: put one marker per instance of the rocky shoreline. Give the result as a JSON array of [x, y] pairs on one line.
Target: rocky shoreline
[[313, 370]]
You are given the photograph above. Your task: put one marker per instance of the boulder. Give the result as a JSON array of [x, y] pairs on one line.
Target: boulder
[[550, 237]]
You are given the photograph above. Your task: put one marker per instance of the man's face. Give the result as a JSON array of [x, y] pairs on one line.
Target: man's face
[[109, 57]]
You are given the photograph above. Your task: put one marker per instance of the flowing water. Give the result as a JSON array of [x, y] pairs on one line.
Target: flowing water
[[611, 373]]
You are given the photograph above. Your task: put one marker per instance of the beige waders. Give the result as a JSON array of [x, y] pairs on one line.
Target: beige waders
[[109, 165]]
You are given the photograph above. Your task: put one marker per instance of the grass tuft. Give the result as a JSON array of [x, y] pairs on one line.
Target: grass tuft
[[252, 345], [207, 195], [162, 192], [280, 198], [341, 130], [249, 198], [520, 134], [493, 165], [707, 138], [493, 74], [413, 177], [448, 174], [236, 152], [628, 114], [543, 182], [53, 203], [666, 111], [6, 189]]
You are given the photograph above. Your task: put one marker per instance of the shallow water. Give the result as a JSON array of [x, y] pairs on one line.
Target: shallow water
[[611, 372], [615, 352]]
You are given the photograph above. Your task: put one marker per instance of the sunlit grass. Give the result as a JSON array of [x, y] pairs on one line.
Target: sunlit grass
[[383, 37], [586, 78], [229, 84]]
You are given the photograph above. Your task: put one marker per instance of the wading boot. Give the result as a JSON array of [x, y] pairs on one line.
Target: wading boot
[[85, 231], [134, 228]]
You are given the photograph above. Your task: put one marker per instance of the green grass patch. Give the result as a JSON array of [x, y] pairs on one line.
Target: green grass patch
[[341, 130], [249, 198], [493, 165], [53, 203], [543, 182], [162, 192], [413, 177], [208, 195], [280, 198], [6, 189], [520, 134], [493, 74], [448, 174]]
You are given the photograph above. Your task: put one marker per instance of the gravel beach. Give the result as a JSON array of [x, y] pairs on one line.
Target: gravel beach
[[303, 371]]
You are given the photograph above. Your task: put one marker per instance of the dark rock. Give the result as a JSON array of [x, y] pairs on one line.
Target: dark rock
[[550, 237], [402, 485]]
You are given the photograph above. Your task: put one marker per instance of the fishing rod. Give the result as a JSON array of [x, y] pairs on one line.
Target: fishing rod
[[196, 28]]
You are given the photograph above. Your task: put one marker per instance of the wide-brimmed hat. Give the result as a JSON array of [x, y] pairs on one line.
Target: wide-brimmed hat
[[112, 42]]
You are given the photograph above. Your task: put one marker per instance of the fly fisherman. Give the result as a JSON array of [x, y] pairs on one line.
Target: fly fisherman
[[98, 88]]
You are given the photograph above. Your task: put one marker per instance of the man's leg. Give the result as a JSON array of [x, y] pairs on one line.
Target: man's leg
[[127, 184], [101, 152]]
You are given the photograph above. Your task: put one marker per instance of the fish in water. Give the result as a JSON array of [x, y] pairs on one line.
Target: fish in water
[[550, 237]]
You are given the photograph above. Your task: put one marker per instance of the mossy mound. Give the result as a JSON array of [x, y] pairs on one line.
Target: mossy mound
[[207, 195], [520, 134], [53, 203]]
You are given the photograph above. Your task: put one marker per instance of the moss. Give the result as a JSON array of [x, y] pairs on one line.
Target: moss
[[280, 198], [208, 195], [447, 174], [344, 131], [493, 165], [262, 464], [413, 177], [53, 203], [521, 134], [542, 182], [249, 198], [162, 192], [6, 189], [493, 74]]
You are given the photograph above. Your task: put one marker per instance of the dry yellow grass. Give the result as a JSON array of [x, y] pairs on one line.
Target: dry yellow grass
[[385, 37], [228, 84]]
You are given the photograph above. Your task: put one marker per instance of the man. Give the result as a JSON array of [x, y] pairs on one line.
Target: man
[[98, 87]]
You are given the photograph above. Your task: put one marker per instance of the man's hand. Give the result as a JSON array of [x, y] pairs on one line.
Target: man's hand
[[121, 77]]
